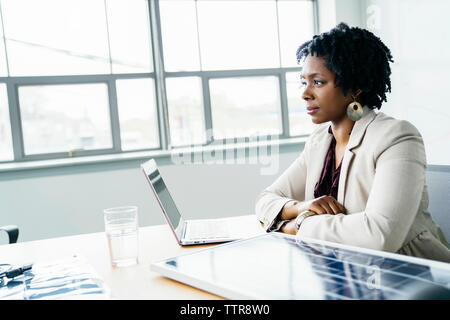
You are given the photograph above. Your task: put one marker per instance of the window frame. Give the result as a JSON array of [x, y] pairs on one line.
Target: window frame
[[159, 76]]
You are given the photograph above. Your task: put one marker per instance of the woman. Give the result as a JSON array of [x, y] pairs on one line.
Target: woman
[[360, 179]]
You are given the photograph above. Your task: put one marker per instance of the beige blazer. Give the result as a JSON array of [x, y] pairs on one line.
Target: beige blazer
[[381, 185]]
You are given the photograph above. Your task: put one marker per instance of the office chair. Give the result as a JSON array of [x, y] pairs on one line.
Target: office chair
[[12, 231], [438, 183]]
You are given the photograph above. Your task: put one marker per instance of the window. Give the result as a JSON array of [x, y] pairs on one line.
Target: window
[[296, 27], [180, 36], [184, 96], [70, 37], [299, 121], [137, 114], [6, 150], [231, 29], [129, 36], [243, 107], [58, 118], [89, 77]]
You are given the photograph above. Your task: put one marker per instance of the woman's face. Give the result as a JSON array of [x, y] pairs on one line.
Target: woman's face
[[324, 102]]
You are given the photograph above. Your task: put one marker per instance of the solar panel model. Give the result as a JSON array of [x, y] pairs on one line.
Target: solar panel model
[[280, 266]]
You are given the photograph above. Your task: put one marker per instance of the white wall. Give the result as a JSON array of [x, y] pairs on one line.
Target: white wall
[[416, 31]]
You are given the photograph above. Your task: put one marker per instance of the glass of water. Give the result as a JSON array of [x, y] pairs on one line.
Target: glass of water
[[121, 228]]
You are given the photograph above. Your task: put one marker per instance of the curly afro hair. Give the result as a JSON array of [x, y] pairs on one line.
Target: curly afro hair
[[357, 57]]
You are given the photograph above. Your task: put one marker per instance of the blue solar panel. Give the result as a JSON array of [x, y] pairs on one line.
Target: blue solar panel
[[279, 266]]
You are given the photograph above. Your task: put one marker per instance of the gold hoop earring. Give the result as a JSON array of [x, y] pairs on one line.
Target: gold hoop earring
[[354, 110]]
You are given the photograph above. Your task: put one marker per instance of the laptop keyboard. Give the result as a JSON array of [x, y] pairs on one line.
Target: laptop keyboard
[[207, 230]]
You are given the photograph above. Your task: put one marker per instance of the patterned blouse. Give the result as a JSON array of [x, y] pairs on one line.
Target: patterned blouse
[[329, 178]]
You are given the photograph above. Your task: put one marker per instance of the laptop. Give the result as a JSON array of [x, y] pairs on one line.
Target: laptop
[[199, 231]]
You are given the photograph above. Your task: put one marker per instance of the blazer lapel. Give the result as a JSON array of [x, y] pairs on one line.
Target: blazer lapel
[[356, 137]]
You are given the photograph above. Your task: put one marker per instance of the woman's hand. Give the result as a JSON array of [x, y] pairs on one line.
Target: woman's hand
[[321, 205], [289, 227]]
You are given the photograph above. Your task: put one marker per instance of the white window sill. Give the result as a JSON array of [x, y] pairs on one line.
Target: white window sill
[[142, 155]]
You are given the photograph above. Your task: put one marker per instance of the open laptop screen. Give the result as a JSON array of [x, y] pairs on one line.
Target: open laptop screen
[[164, 198]]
